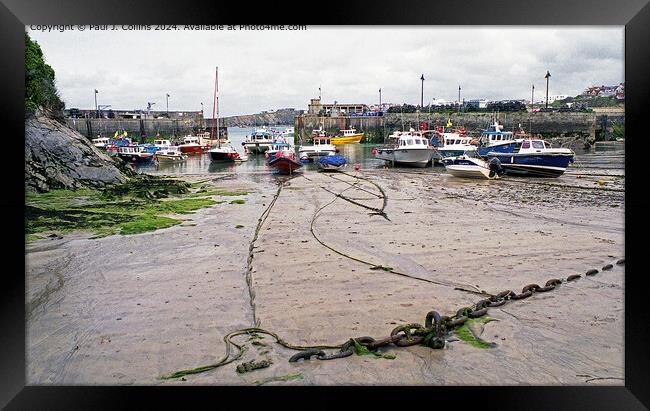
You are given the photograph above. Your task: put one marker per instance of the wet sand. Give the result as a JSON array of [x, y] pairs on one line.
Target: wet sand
[[129, 309]]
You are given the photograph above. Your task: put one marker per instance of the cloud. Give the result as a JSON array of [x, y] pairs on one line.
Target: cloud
[[261, 70]]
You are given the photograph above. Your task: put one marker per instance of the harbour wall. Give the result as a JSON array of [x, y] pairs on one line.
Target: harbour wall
[[169, 128], [583, 128]]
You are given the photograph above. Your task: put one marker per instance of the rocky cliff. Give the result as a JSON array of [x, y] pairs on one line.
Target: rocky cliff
[[276, 118], [58, 157]]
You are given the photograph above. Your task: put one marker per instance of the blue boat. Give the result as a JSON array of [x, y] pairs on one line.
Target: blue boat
[[494, 139], [331, 162], [534, 158]]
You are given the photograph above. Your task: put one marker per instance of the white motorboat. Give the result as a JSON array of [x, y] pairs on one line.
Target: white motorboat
[[170, 153], [259, 141], [471, 165], [410, 148], [101, 142], [321, 146], [452, 144]]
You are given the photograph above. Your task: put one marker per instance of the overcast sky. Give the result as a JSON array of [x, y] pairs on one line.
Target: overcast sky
[[262, 70]]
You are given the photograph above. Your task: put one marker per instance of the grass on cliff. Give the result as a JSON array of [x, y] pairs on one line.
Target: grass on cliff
[[143, 204]]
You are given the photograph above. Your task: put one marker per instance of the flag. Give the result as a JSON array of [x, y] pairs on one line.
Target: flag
[[449, 123], [115, 135], [125, 133]]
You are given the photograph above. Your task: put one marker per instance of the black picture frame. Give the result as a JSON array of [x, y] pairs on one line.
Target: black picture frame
[[633, 14]]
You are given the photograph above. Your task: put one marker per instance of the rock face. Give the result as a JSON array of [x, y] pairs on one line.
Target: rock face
[[59, 157]]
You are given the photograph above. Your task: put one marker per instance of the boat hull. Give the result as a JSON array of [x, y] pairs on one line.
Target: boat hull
[[347, 139], [284, 165], [138, 159], [468, 168], [165, 157], [191, 149], [223, 157], [533, 164], [257, 148], [408, 157]]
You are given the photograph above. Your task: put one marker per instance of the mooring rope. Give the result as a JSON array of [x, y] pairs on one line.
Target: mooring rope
[[251, 248]]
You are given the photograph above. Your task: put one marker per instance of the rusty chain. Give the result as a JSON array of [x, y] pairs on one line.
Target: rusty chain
[[436, 327]]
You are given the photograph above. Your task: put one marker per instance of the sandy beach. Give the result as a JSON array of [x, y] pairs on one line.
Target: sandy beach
[[125, 310]]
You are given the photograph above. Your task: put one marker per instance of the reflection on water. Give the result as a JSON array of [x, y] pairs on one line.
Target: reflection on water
[[603, 155]]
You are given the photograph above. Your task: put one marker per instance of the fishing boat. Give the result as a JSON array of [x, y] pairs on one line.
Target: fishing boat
[[332, 162], [191, 145], [259, 141], [101, 142], [170, 153], [321, 146], [494, 139], [408, 148], [452, 143], [348, 136], [282, 157], [135, 154], [471, 165], [534, 158]]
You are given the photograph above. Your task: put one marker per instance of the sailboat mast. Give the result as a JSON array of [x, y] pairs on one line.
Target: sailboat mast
[[213, 108], [217, 94]]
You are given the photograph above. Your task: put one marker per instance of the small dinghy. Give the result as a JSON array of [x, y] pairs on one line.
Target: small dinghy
[[471, 165], [331, 162]]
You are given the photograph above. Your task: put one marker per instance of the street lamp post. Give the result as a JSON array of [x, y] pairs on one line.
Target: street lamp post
[[379, 99], [532, 99], [547, 76], [167, 105], [459, 97], [96, 110], [422, 92]]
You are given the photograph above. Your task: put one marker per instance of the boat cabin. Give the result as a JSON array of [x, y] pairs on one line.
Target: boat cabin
[[531, 146], [191, 140], [260, 135], [162, 143], [131, 150], [321, 141], [101, 142], [350, 132]]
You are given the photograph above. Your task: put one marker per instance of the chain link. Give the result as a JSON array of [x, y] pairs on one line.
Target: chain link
[[432, 334]]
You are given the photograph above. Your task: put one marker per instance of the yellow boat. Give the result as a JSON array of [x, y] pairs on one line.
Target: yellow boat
[[349, 136]]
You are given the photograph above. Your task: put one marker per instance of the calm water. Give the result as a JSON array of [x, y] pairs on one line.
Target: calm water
[[609, 155]]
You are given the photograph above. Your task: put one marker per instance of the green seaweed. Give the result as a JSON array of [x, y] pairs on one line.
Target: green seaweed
[[238, 202], [239, 226], [363, 350], [287, 377], [464, 333], [129, 208]]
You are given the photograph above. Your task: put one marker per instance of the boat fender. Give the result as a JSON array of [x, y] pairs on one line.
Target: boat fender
[[374, 151]]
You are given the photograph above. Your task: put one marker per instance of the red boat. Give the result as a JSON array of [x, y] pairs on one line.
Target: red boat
[[283, 159], [191, 146]]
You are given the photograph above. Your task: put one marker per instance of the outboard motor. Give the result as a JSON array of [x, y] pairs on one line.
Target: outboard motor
[[495, 167]]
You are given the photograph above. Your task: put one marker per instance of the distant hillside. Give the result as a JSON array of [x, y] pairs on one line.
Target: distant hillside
[[278, 117]]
